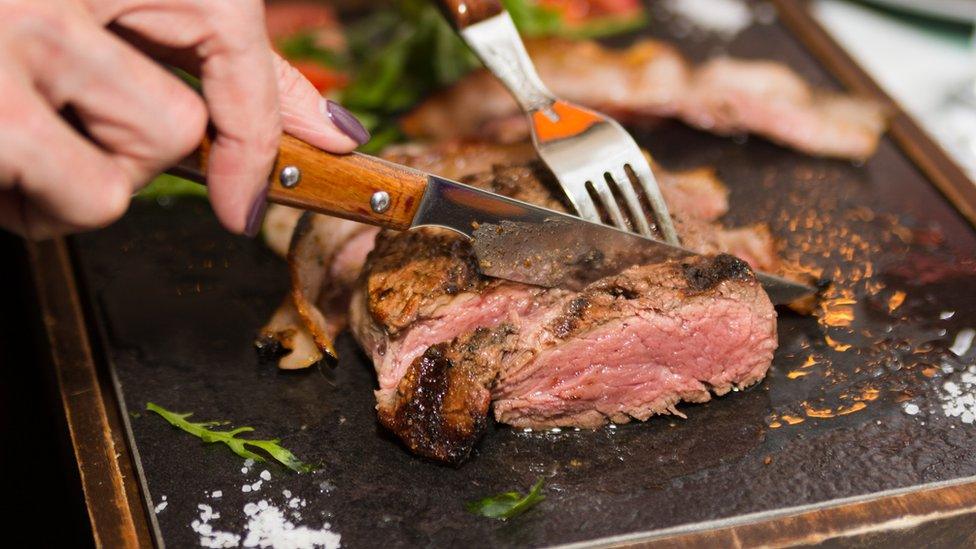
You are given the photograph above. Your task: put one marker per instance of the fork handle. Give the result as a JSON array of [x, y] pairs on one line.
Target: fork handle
[[489, 31], [464, 13]]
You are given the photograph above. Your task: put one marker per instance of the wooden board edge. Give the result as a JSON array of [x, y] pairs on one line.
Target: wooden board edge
[[105, 466], [888, 517], [920, 148]]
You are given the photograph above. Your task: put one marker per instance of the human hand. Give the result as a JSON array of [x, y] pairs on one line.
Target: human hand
[[138, 117]]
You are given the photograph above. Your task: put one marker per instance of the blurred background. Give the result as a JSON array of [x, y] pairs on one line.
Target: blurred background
[[923, 53]]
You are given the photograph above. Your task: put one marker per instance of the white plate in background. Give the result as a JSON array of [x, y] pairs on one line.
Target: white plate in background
[[963, 11]]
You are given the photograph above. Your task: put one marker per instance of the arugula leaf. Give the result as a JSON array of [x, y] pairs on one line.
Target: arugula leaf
[[303, 46], [418, 52], [507, 505], [533, 19], [166, 185], [204, 432]]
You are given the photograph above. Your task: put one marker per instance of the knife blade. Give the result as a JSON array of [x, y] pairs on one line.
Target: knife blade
[[513, 240]]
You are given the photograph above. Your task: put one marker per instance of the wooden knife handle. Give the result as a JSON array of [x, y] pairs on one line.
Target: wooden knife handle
[[341, 185], [463, 13]]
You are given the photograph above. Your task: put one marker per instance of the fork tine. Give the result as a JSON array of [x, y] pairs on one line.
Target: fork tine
[[609, 202], [585, 207], [646, 178], [626, 187]]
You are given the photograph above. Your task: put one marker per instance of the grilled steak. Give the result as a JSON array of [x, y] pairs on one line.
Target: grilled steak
[[446, 341]]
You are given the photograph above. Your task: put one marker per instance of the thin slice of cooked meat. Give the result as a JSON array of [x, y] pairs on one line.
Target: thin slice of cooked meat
[[650, 80], [325, 256], [729, 96]]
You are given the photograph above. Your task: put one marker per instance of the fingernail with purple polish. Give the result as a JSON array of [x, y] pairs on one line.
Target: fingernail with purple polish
[[346, 122], [256, 216]]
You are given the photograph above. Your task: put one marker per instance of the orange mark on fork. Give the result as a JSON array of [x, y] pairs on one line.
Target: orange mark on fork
[[572, 121]]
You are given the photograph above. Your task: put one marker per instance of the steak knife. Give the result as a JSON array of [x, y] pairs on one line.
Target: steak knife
[[512, 239]]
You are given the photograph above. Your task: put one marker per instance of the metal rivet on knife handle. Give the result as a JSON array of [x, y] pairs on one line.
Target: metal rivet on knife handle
[[290, 176], [380, 201]]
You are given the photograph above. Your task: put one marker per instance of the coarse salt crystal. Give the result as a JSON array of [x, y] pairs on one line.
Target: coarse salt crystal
[[911, 409], [963, 341], [945, 315], [159, 508], [210, 537], [216, 494], [256, 486], [266, 475], [267, 526], [270, 528], [286, 493], [246, 488]]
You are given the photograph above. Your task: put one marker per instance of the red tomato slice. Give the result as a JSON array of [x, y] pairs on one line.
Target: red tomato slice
[[578, 12], [323, 78]]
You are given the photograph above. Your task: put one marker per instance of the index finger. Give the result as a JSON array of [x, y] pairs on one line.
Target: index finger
[[240, 88], [226, 42]]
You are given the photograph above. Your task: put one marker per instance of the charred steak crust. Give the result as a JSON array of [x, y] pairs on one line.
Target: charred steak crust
[[411, 270], [702, 277], [531, 182], [441, 406]]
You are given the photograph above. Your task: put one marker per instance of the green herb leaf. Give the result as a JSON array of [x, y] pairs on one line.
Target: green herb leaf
[[204, 432], [507, 505], [303, 46], [166, 185], [533, 19]]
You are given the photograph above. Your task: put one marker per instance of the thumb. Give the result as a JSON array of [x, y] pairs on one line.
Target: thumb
[[310, 117]]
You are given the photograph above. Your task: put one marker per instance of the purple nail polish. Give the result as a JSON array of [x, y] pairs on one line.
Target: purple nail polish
[[256, 216], [347, 122]]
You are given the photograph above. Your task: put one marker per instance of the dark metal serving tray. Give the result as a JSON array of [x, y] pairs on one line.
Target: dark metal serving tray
[[163, 307]]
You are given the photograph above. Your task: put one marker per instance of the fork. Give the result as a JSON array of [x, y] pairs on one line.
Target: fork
[[590, 154]]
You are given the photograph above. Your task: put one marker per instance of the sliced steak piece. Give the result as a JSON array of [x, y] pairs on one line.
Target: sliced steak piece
[[325, 257], [650, 80], [628, 346], [636, 344]]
